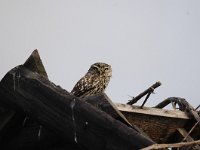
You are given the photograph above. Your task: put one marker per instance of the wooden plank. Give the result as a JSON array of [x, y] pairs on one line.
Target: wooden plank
[[184, 133], [164, 122], [174, 145], [66, 115], [103, 102], [152, 111]]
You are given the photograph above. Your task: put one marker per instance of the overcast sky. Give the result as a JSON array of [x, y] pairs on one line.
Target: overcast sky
[[143, 40]]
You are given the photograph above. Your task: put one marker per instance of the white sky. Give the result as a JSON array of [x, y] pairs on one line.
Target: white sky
[[143, 41]]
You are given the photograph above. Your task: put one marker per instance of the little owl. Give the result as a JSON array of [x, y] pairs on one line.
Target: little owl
[[95, 80]]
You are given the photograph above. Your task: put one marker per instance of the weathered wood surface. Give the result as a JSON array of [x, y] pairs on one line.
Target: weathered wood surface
[[147, 91], [20, 131], [183, 105], [188, 138], [5, 117], [153, 111], [65, 115], [103, 102], [34, 63], [174, 145], [164, 122]]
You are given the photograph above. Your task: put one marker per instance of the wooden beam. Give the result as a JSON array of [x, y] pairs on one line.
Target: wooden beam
[[184, 133], [66, 115], [8, 116], [103, 102], [174, 145], [187, 137], [152, 111], [149, 90]]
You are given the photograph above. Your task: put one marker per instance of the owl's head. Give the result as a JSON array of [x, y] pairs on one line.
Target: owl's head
[[102, 69]]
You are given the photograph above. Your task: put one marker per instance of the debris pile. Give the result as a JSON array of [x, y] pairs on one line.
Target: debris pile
[[37, 114]]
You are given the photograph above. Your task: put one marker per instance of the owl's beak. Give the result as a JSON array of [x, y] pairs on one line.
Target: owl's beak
[[110, 74]]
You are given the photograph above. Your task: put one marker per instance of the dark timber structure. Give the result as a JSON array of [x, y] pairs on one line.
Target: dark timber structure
[[37, 114]]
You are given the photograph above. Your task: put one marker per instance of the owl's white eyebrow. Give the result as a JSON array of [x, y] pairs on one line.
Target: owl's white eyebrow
[[96, 66]]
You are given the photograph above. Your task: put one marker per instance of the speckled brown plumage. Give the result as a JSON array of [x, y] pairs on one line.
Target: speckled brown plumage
[[95, 80]]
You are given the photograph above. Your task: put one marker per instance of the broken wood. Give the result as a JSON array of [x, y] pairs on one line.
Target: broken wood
[[191, 130], [37, 114], [153, 111], [19, 129], [145, 100], [184, 133], [188, 138], [183, 106], [182, 103], [34, 63], [149, 90], [9, 117], [65, 115], [102, 102], [150, 120], [175, 145], [197, 107]]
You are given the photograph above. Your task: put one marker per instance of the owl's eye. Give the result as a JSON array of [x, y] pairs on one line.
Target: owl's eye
[[106, 68]]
